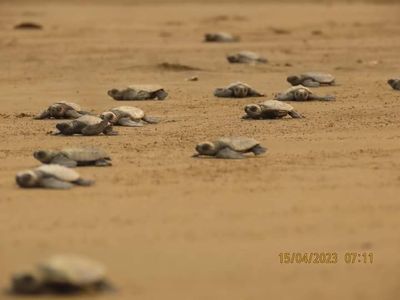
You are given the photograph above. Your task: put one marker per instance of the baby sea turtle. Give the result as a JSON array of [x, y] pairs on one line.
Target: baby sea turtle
[[301, 93], [52, 177], [127, 116], [139, 92], [62, 274], [312, 79], [394, 83], [221, 37], [72, 157], [246, 57], [86, 125], [62, 110], [237, 90], [230, 147], [270, 109]]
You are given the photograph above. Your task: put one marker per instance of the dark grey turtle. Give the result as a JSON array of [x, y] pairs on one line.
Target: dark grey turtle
[[52, 177], [62, 110], [139, 92], [128, 116], [394, 83], [312, 79], [230, 147], [237, 90], [62, 274], [246, 57], [220, 37], [72, 157], [86, 125], [270, 109], [301, 93]]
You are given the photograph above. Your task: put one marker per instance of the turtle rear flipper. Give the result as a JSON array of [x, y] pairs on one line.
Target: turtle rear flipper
[[254, 93], [223, 92], [130, 123], [95, 129], [151, 120], [54, 183], [229, 154], [322, 98], [64, 161], [161, 95]]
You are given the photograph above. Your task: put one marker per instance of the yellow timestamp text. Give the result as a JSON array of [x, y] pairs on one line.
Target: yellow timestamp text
[[326, 257]]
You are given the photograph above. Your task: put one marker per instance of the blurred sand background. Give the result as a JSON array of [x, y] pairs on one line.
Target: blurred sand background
[[172, 227]]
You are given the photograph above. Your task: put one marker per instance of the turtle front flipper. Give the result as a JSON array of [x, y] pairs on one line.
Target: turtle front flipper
[[283, 97], [128, 122], [66, 128], [64, 161], [72, 114], [254, 93], [258, 150], [223, 93], [84, 182], [311, 83], [229, 154], [95, 129], [44, 115], [54, 183], [151, 120], [295, 115], [321, 98], [102, 163]]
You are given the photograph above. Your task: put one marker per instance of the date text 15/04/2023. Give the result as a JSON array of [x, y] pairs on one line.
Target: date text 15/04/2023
[[326, 257]]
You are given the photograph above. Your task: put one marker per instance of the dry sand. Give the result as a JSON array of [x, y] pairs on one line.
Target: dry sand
[[172, 227]]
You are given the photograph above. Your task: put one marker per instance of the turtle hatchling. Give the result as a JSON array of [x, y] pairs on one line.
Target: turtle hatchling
[[246, 57], [237, 90], [86, 125], [230, 147], [139, 92], [62, 110], [270, 109], [220, 37], [72, 157], [128, 116], [312, 79], [301, 93], [62, 274], [394, 83], [52, 177]]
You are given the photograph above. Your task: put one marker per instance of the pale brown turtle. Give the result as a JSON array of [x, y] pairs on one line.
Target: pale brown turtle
[[72, 157], [312, 79], [86, 125], [220, 37], [230, 147], [52, 177], [246, 57], [62, 274], [270, 109], [62, 110], [128, 116], [301, 93], [237, 90], [139, 92], [394, 83]]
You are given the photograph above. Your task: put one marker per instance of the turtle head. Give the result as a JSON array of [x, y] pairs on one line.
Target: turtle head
[[391, 82], [27, 178], [206, 148], [114, 93], [57, 110], [294, 80], [253, 110], [240, 91], [232, 58], [109, 116], [44, 156], [26, 283], [301, 94]]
